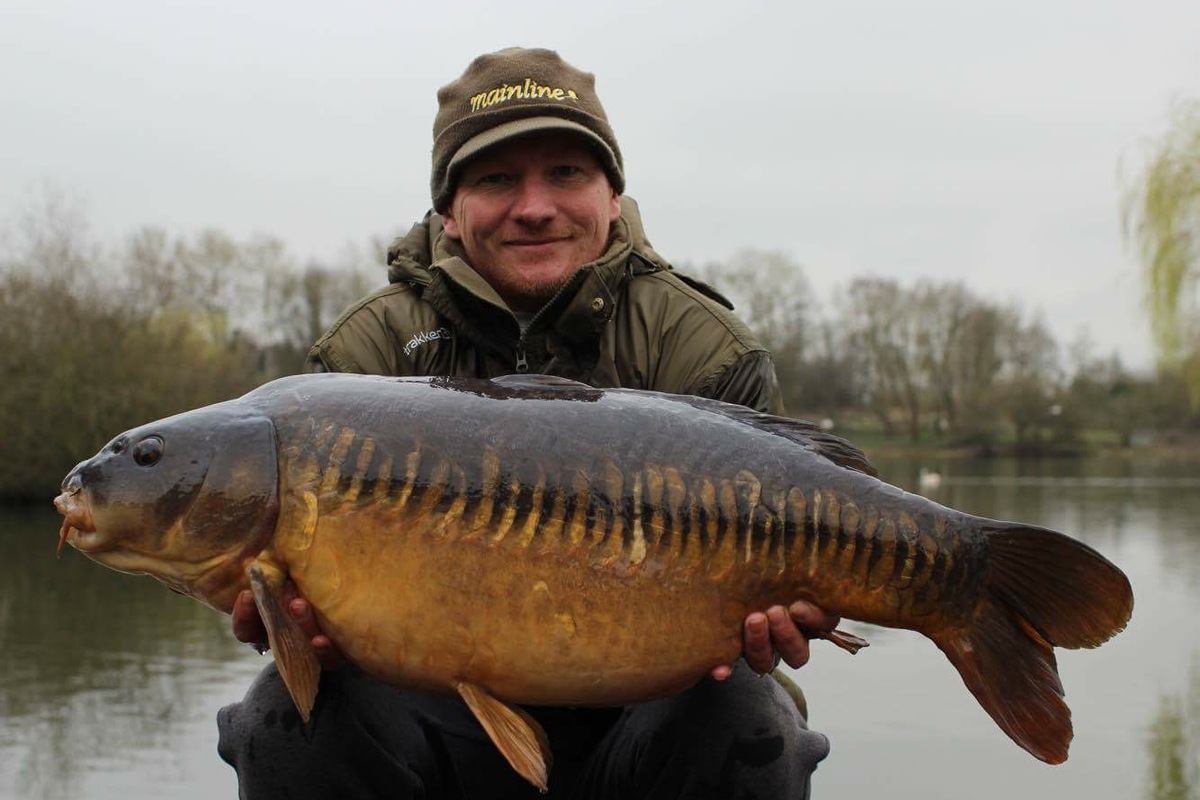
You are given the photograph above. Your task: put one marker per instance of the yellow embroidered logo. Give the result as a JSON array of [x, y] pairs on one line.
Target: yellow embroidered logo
[[530, 90]]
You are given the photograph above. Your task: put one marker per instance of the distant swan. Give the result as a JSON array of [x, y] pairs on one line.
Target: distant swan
[[929, 480]]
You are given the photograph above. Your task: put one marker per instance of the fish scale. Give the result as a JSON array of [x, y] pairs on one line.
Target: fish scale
[[822, 525]]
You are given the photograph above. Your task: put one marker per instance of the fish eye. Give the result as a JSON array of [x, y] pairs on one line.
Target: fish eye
[[148, 451]]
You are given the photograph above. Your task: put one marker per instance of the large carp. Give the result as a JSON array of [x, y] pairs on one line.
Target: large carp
[[528, 540]]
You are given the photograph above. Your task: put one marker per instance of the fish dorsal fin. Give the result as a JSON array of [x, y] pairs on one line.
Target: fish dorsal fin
[[517, 735], [803, 432], [835, 448], [538, 381], [294, 654]]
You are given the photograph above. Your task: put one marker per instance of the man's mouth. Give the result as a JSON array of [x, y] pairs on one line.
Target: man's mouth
[[539, 242]]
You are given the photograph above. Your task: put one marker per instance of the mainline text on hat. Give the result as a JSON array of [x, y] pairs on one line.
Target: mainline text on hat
[[530, 90]]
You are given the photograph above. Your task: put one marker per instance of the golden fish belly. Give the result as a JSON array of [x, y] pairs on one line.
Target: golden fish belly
[[624, 582], [552, 624]]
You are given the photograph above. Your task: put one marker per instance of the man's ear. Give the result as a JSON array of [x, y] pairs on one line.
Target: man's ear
[[614, 208], [450, 224]]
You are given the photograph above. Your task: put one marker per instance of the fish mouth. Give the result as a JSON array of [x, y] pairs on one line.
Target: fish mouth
[[78, 527]]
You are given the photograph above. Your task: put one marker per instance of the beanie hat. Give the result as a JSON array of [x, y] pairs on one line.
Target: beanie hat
[[510, 93]]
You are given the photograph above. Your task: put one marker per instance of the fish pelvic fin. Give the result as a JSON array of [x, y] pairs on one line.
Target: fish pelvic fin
[[843, 639], [1042, 590], [517, 735], [294, 654]]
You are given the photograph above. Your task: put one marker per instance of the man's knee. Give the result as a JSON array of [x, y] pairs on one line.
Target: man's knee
[[738, 737], [366, 738], [358, 740]]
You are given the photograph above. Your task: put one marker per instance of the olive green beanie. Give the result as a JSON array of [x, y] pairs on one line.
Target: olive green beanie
[[510, 93]]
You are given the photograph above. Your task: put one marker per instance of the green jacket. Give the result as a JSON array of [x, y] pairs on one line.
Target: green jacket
[[625, 320]]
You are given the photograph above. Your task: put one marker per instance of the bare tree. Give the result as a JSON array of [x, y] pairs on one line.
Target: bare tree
[[881, 326], [773, 296], [152, 275], [1031, 377], [956, 336], [53, 238]]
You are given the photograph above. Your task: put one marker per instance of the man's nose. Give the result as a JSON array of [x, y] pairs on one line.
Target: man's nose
[[535, 202]]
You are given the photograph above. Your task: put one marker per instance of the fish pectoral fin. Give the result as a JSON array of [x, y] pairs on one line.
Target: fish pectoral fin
[[294, 654], [517, 735]]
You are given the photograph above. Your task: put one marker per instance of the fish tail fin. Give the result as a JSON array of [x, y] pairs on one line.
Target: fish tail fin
[[1042, 590]]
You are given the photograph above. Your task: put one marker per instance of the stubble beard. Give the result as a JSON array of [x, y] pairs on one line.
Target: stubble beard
[[523, 294]]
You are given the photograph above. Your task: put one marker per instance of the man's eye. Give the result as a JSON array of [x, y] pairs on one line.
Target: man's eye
[[493, 179], [566, 171]]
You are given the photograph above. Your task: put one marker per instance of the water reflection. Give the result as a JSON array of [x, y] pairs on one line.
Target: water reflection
[[96, 668], [1173, 745], [109, 684], [899, 709], [1099, 501]]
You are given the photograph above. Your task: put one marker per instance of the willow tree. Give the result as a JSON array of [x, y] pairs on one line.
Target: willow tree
[[1162, 219]]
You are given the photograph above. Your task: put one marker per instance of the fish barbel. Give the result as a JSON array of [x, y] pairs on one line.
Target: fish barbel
[[523, 540]]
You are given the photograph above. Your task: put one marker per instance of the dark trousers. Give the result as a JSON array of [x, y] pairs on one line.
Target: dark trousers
[[739, 738]]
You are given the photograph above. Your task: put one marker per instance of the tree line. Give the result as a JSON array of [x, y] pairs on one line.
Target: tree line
[[95, 339], [936, 362]]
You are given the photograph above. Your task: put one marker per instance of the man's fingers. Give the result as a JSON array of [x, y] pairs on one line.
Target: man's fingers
[[302, 612], [811, 618], [756, 645], [326, 651], [247, 625], [720, 673], [791, 644]]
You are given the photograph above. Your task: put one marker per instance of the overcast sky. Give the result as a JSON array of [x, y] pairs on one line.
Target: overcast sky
[[953, 140]]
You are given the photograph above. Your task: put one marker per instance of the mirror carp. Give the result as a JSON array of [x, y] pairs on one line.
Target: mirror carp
[[525, 540]]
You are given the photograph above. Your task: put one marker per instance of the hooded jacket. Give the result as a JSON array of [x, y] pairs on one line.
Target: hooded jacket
[[625, 320]]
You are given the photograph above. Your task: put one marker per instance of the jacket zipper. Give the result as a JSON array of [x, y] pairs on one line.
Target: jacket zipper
[[522, 363]]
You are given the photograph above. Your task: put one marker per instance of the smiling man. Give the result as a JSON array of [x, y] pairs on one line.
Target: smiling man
[[531, 211], [533, 260]]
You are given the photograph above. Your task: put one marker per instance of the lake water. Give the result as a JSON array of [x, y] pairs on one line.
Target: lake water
[[109, 684]]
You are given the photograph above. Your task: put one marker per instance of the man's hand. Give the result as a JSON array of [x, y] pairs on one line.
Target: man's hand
[[248, 625], [785, 631]]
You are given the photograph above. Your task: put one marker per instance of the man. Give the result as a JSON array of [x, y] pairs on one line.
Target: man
[[535, 262]]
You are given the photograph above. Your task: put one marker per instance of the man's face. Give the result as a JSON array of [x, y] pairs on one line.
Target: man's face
[[531, 211]]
